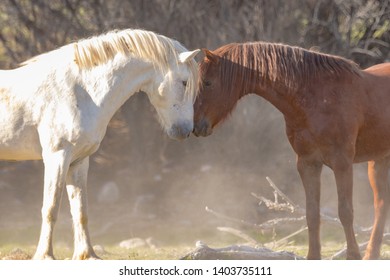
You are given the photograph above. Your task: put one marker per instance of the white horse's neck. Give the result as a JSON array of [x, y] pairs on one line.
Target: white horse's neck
[[112, 84]]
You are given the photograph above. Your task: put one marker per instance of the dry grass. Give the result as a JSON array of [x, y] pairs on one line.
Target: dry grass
[[162, 253]]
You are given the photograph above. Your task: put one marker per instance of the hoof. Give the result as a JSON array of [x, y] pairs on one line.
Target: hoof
[[355, 256], [371, 257], [313, 257], [86, 256], [43, 257]]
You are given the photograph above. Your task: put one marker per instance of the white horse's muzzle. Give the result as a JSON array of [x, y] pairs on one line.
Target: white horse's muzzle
[[180, 131]]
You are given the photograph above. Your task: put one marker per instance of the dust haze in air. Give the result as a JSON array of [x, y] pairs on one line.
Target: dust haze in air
[[143, 184]]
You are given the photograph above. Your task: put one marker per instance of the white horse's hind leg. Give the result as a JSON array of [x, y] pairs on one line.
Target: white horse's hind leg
[[77, 194], [56, 168]]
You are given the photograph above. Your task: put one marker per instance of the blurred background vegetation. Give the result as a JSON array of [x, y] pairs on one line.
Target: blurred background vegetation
[[141, 181]]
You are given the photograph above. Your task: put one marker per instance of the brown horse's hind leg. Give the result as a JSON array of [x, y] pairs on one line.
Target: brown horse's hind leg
[[343, 172], [310, 172], [378, 175]]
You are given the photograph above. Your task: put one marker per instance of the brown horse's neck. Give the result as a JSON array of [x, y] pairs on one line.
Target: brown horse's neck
[[284, 98], [281, 74]]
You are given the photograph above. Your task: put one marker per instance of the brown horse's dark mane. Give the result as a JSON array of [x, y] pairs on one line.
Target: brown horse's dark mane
[[269, 62]]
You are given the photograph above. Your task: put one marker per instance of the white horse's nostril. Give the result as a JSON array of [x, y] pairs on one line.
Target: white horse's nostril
[[181, 131]]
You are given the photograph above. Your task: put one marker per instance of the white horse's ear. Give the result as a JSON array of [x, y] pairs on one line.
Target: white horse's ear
[[187, 56]]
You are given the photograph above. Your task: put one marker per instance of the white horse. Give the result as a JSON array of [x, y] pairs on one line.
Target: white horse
[[56, 107]]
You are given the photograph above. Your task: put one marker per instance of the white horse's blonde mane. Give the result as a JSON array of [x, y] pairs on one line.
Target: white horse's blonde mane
[[144, 44], [158, 49]]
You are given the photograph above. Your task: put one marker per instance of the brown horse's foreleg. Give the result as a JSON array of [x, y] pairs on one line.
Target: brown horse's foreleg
[[378, 175], [343, 172], [310, 172]]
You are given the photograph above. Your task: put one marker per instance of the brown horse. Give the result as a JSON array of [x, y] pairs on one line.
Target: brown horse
[[335, 114]]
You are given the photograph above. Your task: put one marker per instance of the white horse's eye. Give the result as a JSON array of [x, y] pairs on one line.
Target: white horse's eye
[[184, 83]]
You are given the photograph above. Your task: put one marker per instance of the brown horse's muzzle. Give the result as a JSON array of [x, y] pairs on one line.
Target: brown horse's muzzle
[[202, 128]]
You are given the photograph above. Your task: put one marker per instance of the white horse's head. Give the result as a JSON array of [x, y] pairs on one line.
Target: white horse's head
[[174, 80], [174, 93]]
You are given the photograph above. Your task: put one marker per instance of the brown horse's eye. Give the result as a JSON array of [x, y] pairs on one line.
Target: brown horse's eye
[[207, 83]]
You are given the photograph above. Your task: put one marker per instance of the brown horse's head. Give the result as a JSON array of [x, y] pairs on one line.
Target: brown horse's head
[[234, 70], [213, 104]]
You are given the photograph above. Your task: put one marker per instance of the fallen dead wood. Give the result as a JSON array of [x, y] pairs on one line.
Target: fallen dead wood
[[237, 252]]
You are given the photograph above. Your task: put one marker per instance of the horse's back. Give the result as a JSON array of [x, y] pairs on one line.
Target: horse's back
[[378, 76], [377, 83], [382, 69]]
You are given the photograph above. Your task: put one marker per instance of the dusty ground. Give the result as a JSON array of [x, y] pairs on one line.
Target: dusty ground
[[159, 189], [164, 241]]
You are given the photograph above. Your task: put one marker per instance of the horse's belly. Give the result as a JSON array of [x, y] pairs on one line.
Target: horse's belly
[[373, 146], [20, 145], [363, 155]]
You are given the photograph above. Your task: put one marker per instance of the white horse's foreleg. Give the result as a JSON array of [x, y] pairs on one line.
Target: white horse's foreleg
[[56, 168], [77, 194]]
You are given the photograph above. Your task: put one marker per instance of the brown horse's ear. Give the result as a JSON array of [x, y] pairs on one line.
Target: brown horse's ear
[[210, 55]]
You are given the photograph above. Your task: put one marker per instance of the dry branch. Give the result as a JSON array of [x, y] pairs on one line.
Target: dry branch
[[274, 205], [284, 239], [279, 192], [266, 225], [274, 222], [240, 234], [295, 208], [227, 218]]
